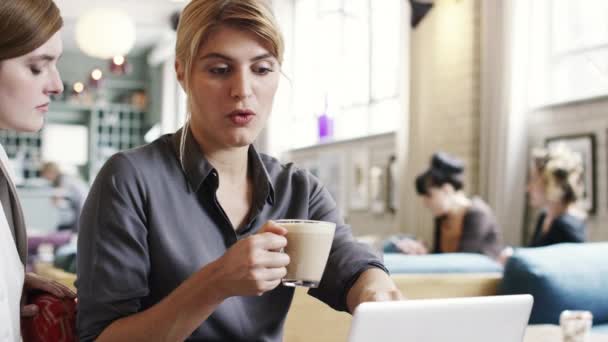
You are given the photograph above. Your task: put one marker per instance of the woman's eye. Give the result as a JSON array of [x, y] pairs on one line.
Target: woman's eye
[[263, 70], [35, 70], [219, 70]]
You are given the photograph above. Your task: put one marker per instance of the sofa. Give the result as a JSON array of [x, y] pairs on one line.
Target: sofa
[[570, 276]]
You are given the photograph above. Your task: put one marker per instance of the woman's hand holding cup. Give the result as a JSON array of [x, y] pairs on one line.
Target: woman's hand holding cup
[[254, 265]]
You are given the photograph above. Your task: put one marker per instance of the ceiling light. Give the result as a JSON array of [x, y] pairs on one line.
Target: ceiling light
[[105, 33]]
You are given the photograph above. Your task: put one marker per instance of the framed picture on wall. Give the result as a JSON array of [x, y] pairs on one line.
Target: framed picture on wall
[[331, 174], [584, 145], [358, 179], [377, 189]]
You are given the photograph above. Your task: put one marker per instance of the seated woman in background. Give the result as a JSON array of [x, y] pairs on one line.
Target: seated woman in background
[[462, 224], [556, 186]]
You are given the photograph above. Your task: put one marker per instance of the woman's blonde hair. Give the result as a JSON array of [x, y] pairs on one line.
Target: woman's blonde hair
[[200, 18], [561, 170], [26, 25]]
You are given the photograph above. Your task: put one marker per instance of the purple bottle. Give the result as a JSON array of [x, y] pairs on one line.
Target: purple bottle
[[325, 124]]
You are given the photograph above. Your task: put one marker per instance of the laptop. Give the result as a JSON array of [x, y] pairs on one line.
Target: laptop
[[475, 319]]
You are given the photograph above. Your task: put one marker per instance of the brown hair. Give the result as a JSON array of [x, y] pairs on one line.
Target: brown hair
[[26, 25], [201, 17]]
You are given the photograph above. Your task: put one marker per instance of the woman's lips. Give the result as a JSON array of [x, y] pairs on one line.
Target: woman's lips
[[241, 118], [43, 108]]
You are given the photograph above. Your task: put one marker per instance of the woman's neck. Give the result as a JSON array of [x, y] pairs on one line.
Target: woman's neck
[[460, 204], [230, 163], [556, 209]]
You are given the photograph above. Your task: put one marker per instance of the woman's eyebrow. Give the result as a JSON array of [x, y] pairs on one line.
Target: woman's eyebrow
[[227, 58]]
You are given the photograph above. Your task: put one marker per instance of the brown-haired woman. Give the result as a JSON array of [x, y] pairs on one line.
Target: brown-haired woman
[[29, 48], [176, 239]]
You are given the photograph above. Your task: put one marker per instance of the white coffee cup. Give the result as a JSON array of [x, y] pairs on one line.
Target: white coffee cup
[[308, 246]]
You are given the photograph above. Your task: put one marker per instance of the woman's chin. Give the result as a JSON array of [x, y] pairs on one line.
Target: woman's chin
[[240, 142], [28, 126], [241, 139]]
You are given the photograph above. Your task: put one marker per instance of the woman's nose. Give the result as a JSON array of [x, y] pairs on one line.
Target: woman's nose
[[241, 86], [55, 85]]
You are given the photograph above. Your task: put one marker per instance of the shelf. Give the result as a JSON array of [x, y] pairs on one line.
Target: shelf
[[338, 142], [61, 106]]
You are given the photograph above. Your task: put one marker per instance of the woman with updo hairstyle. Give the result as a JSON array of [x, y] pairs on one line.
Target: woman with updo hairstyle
[[462, 224], [555, 186], [30, 45]]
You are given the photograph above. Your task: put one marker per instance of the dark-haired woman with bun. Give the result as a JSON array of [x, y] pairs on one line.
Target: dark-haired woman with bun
[[462, 224]]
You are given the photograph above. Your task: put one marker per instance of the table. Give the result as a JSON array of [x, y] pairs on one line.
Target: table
[[553, 333]]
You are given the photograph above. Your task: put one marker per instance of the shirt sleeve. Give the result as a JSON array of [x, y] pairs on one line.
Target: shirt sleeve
[[474, 233], [480, 234], [347, 258], [113, 263]]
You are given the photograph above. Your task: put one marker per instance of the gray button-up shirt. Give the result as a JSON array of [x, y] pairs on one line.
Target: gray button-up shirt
[[147, 226]]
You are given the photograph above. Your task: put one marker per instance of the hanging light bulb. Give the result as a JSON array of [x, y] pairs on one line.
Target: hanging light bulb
[[105, 33], [96, 74], [78, 87], [118, 60], [95, 78], [119, 65]]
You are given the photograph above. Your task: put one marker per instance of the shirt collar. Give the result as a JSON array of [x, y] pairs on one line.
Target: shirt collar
[[197, 168]]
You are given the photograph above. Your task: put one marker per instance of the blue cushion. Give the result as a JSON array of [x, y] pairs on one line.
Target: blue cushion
[[440, 263], [600, 329], [569, 276]]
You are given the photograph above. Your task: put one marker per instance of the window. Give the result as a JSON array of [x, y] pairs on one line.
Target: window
[[343, 59], [569, 50]]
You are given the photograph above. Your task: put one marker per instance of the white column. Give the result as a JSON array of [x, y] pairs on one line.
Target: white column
[[504, 107], [402, 143]]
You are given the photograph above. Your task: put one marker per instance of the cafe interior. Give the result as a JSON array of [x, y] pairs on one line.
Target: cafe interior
[[373, 95]]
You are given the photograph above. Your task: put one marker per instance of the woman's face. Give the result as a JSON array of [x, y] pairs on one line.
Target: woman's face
[[437, 200], [536, 189], [26, 84], [233, 83]]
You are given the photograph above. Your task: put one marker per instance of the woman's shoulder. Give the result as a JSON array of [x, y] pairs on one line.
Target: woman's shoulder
[[161, 149], [277, 169], [479, 208], [569, 221], [134, 162], [480, 215]]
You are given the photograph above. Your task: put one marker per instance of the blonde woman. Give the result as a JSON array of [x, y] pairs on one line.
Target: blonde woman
[[176, 237], [555, 186], [29, 48]]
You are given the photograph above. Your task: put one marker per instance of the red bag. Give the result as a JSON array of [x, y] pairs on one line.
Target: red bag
[[55, 321]]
